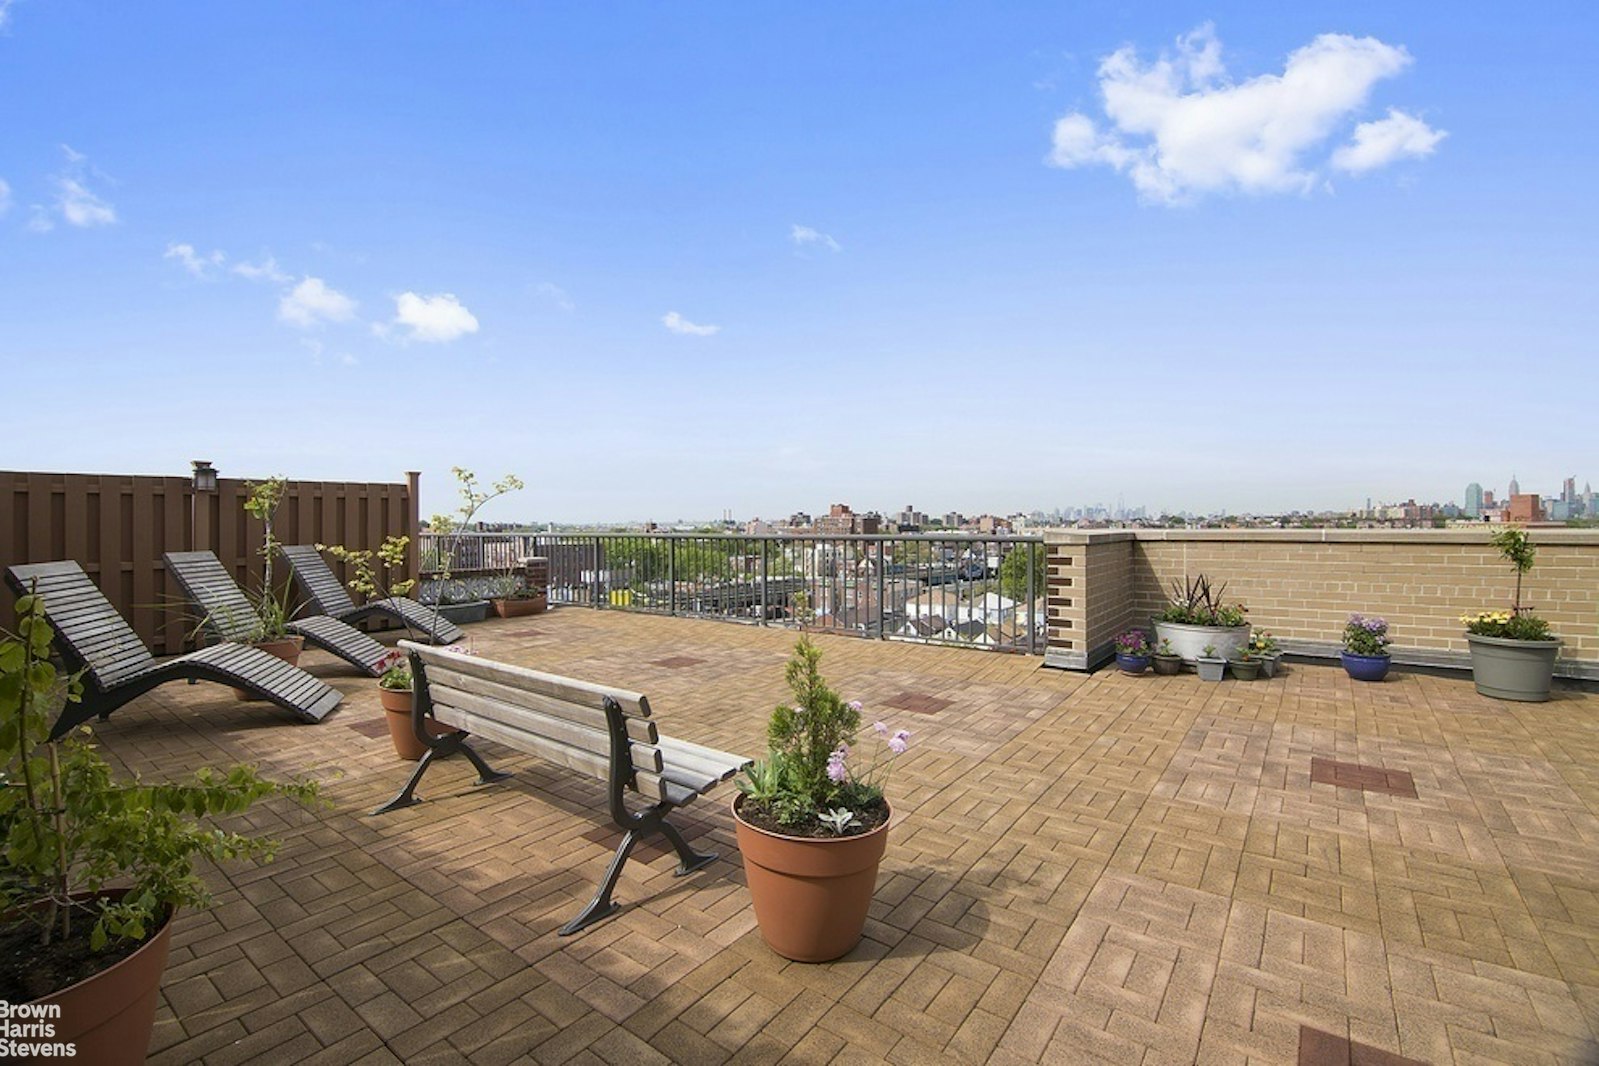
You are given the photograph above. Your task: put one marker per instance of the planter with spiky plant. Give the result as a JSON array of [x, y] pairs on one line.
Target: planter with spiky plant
[[1512, 652]]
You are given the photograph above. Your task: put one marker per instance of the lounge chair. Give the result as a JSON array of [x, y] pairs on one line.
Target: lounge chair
[[229, 614], [117, 666], [326, 596]]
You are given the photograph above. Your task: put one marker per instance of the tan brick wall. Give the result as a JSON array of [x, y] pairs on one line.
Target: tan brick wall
[[1303, 584]]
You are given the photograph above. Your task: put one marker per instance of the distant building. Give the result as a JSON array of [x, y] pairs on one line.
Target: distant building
[[1524, 507], [1474, 500], [1515, 486], [840, 520]]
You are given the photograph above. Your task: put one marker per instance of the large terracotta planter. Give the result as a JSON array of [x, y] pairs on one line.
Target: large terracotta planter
[[1190, 641], [288, 649], [110, 1016], [1513, 669], [811, 895], [514, 607], [397, 711]]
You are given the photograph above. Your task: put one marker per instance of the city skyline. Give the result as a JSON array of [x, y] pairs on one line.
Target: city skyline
[[671, 264]]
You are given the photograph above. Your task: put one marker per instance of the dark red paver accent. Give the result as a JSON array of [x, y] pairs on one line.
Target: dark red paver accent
[[1365, 778], [676, 661], [370, 727], [917, 703]]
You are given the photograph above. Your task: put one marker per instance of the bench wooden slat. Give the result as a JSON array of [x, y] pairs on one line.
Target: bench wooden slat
[[719, 765], [581, 693], [556, 730], [639, 730]]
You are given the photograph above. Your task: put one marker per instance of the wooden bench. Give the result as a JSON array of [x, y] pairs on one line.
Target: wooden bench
[[600, 732]]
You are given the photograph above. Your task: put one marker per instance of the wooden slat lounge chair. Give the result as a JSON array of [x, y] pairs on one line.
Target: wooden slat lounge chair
[[91, 636], [229, 614], [326, 596]]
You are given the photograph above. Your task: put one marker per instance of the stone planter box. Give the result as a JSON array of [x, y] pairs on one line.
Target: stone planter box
[[1189, 641], [464, 613], [1513, 669]]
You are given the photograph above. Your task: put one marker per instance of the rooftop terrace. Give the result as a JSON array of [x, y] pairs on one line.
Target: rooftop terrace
[[1082, 868]]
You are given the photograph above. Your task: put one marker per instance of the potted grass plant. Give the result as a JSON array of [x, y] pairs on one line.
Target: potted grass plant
[[1365, 653], [1512, 652], [812, 819], [95, 868], [1166, 661]]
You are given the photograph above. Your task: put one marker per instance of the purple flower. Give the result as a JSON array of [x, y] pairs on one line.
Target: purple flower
[[899, 742], [882, 730], [835, 765], [854, 705]]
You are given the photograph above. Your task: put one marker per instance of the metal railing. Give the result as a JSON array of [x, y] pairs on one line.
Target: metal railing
[[970, 591]]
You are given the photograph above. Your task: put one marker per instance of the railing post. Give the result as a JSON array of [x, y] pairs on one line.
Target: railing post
[[671, 575], [882, 568], [765, 544], [594, 585], [1032, 623]]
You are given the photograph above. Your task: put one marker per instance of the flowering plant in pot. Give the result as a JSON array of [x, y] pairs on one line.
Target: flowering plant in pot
[[1211, 666], [812, 819], [397, 696], [1166, 660], [1196, 614], [1132, 651], [1512, 652], [1365, 654], [1264, 647], [94, 868], [1245, 663]]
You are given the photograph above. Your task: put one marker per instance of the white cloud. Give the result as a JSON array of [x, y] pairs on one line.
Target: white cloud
[[5, 13], [39, 220], [803, 235], [678, 324], [5, 196], [266, 270], [1179, 128], [196, 264], [554, 294], [438, 318], [1378, 143], [313, 302], [75, 201]]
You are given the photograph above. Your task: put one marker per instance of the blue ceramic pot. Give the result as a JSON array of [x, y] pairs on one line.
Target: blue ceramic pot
[[1366, 667], [1132, 664]]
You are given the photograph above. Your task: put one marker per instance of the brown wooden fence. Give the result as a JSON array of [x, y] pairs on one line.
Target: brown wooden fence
[[118, 525]]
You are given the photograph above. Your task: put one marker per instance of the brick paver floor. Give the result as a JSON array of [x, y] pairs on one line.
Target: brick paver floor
[[1081, 869]]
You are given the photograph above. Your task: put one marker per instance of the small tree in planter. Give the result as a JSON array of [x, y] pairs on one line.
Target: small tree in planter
[[812, 825], [451, 527], [1512, 652], [94, 868]]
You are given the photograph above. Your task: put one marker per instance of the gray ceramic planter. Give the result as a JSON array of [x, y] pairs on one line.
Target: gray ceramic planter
[[1513, 669], [1210, 669]]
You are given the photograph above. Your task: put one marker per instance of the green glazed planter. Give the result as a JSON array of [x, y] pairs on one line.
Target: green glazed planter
[[1513, 669]]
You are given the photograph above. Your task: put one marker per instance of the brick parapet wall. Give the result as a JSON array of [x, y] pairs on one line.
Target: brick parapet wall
[[1302, 584]]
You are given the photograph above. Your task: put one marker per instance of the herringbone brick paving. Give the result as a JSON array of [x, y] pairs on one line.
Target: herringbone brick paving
[[1082, 869]]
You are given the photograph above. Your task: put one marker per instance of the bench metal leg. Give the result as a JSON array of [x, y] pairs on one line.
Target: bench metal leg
[[602, 906], [407, 795], [443, 747], [688, 860]]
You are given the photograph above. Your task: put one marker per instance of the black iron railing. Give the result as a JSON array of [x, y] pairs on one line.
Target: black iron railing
[[973, 591]]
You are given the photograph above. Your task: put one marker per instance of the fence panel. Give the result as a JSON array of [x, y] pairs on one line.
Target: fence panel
[[118, 525]]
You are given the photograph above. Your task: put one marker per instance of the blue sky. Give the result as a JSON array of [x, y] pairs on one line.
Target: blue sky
[[662, 260]]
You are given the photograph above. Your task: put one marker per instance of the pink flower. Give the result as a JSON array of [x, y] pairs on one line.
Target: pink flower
[[855, 705], [835, 765], [899, 742], [882, 730]]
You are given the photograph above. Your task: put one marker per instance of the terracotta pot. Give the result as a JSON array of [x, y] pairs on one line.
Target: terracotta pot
[[288, 649], [518, 608], [397, 710], [811, 895], [110, 1016]]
